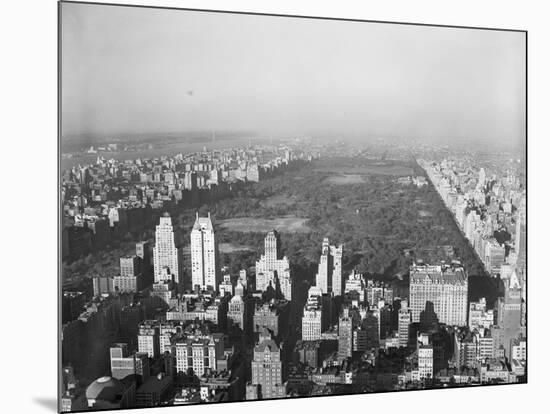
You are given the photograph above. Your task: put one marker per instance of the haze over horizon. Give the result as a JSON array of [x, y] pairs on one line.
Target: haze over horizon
[[141, 70]]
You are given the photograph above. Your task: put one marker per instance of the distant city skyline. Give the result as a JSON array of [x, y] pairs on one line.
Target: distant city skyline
[[154, 70]]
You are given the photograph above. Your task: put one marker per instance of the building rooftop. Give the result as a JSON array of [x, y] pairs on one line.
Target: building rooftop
[[266, 341], [448, 274], [105, 388], [155, 384], [203, 223]]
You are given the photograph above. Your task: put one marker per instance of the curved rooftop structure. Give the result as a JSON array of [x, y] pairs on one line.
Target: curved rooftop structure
[[105, 389]]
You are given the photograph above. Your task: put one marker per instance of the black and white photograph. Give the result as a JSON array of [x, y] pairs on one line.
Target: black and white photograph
[[259, 206]]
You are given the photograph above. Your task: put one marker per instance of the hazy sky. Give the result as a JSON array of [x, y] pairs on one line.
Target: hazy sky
[[127, 70]]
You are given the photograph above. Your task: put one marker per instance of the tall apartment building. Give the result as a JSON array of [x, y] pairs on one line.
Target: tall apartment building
[[166, 257], [345, 334], [272, 249], [148, 338], [371, 326], [237, 311], [481, 178], [199, 353], [143, 251], [520, 235], [494, 255], [267, 368], [312, 319], [439, 293], [190, 180], [204, 255], [243, 279], [129, 266], [403, 325], [127, 283], [385, 313], [272, 269], [329, 273], [103, 285]]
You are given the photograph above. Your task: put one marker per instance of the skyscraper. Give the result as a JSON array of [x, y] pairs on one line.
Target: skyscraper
[[371, 325], [242, 278], [336, 253], [204, 255], [403, 324], [103, 284], [439, 294], [273, 270], [329, 274], [312, 317], [236, 311], [345, 334], [143, 251], [130, 279], [272, 248], [494, 256], [127, 283], [267, 367], [481, 178], [165, 253], [323, 276], [520, 243]]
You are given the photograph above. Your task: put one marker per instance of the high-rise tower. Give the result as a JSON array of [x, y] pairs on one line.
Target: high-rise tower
[[165, 254], [267, 368], [329, 274], [272, 248], [345, 334], [204, 254], [272, 269]]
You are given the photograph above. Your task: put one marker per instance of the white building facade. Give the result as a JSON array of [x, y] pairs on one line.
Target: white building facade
[[165, 253], [204, 254]]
